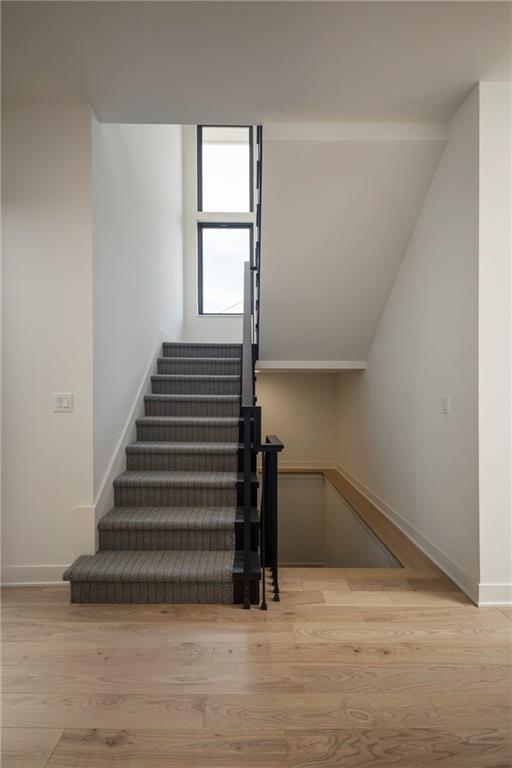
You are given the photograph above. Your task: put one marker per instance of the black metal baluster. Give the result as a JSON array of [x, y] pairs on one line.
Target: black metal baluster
[[247, 509], [275, 539], [263, 516]]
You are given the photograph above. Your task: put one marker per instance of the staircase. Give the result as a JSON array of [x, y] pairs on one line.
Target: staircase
[[175, 532], [186, 527]]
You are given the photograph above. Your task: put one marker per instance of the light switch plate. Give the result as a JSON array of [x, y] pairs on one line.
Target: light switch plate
[[62, 402]]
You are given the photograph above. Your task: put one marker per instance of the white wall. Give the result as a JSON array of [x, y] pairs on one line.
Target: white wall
[[495, 323], [422, 465], [198, 328], [299, 408], [47, 334], [138, 270], [339, 207], [92, 247]]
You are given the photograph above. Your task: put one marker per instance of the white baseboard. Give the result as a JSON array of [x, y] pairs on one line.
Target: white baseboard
[[33, 575], [440, 558], [494, 594]]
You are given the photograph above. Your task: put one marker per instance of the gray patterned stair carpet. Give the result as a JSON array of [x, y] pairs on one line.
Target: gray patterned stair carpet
[[147, 577], [192, 405], [191, 457], [195, 384], [188, 429], [171, 489], [200, 365], [162, 528], [173, 349], [170, 537]]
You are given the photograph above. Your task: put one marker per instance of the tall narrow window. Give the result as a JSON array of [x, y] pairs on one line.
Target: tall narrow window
[[223, 248], [225, 169], [224, 215]]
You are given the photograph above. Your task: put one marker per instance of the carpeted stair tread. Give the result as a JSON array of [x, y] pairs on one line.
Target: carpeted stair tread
[[186, 349], [197, 382], [156, 446], [193, 398], [153, 566], [220, 360], [190, 405], [179, 528], [208, 377], [148, 478], [199, 365], [168, 518], [188, 429], [207, 421]]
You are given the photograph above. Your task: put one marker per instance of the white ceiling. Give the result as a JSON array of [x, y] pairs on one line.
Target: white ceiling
[[337, 219], [245, 62]]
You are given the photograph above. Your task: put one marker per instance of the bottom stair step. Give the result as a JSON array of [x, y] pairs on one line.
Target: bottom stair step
[[154, 577]]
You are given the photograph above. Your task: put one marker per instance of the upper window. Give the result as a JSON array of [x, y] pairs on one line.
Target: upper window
[[224, 162], [223, 249]]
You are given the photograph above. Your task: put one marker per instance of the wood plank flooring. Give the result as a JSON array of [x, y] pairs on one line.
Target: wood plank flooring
[[355, 668], [319, 680]]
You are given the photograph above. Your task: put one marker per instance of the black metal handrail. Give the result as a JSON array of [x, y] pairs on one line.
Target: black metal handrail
[[256, 262], [249, 438], [252, 446], [251, 417]]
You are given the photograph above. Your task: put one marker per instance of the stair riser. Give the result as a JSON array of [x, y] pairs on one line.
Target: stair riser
[[202, 350], [207, 368], [223, 540], [186, 462], [174, 496], [192, 387], [153, 593], [191, 408], [187, 433]]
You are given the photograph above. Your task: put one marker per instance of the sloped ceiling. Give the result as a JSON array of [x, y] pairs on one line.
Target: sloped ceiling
[[337, 214], [337, 220]]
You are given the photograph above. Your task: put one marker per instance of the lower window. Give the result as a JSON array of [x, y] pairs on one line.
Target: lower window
[[222, 251]]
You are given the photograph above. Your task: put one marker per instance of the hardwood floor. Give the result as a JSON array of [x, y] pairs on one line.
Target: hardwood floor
[[335, 675], [355, 668]]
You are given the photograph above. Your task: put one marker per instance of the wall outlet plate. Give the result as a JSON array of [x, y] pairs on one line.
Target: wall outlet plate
[[62, 402]]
